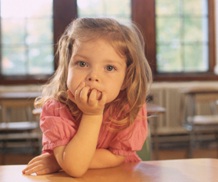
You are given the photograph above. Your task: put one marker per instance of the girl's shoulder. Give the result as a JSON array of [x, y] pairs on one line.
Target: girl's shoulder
[[53, 103], [56, 108]]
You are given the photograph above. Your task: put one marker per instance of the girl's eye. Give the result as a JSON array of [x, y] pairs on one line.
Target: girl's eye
[[110, 68], [82, 63]]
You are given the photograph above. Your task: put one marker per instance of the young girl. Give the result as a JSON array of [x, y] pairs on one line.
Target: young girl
[[93, 109]]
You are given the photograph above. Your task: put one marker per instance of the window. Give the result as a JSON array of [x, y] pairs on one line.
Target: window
[[26, 38], [182, 36], [169, 56]]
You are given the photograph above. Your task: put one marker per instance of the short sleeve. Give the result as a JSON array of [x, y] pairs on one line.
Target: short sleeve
[[132, 138], [57, 125]]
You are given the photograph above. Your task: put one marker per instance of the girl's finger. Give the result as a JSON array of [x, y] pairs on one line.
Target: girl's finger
[[79, 88], [103, 99], [93, 97], [84, 94], [47, 171], [34, 169], [29, 167], [99, 95], [35, 159]]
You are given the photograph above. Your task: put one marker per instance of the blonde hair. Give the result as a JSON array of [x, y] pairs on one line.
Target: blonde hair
[[128, 41]]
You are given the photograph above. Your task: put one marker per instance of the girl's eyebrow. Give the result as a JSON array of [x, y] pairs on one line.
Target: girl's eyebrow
[[79, 55], [114, 62], [108, 61]]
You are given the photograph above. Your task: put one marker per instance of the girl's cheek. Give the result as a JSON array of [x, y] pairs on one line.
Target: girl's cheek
[[70, 94], [71, 88]]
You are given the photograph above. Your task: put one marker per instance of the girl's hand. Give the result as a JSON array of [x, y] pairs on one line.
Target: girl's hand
[[89, 101], [42, 164]]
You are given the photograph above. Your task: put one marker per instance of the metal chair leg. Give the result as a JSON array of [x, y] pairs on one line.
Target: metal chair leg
[[216, 136], [191, 144]]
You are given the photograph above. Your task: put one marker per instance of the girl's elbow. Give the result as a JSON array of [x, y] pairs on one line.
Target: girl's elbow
[[74, 170], [120, 160], [72, 167], [76, 173]]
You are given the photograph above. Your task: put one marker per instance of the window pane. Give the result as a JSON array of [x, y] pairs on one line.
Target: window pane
[[26, 37], [182, 35], [192, 55], [35, 54], [12, 27], [195, 30], [105, 8], [167, 7], [195, 7], [13, 60], [165, 32], [34, 36], [26, 8], [169, 58]]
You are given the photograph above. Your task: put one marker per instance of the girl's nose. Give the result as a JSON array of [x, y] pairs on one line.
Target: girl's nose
[[93, 76]]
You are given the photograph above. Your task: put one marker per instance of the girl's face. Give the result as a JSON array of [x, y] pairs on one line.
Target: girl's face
[[97, 64]]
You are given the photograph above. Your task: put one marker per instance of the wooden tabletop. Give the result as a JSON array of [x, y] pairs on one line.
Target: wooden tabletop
[[184, 170]]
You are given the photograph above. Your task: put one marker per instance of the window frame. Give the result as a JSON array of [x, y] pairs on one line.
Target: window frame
[[65, 11]]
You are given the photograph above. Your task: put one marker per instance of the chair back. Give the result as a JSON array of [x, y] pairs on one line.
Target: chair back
[[199, 101], [16, 110]]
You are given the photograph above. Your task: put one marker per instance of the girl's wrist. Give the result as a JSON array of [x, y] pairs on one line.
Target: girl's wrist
[[93, 117]]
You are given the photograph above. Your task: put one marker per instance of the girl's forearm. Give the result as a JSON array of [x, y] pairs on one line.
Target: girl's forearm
[[76, 156], [103, 158]]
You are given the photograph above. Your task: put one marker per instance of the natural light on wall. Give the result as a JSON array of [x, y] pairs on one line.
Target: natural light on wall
[[26, 37]]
